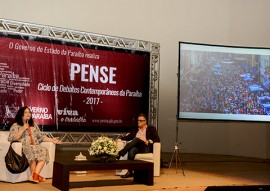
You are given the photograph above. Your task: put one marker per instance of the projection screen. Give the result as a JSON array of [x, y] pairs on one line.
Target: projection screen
[[219, 82]]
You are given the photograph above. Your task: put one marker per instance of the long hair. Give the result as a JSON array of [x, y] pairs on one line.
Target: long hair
[[19, 116]]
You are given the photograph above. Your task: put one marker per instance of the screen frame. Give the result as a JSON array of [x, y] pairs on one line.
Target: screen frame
[[219, 117]]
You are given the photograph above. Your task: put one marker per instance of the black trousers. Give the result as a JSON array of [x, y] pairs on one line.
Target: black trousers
[[135, 146]]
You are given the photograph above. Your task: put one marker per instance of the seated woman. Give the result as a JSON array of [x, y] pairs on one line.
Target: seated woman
[[28, 133]]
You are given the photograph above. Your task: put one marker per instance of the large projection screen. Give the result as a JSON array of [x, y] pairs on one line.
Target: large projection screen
[[223, 82], [72, 86]]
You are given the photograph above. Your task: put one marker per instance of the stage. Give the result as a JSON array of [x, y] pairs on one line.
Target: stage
[[201, 171]]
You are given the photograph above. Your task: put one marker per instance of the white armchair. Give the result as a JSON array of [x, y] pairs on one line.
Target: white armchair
[[7, 176], [150, 157]]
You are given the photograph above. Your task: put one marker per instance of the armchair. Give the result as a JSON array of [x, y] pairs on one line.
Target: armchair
[[150, 157], [7, 176]]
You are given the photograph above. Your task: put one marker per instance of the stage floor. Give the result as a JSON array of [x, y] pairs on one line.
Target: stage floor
[[201, 170]]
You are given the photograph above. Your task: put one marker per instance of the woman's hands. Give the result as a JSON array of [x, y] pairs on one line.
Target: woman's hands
[[55, 140], [25, 126]]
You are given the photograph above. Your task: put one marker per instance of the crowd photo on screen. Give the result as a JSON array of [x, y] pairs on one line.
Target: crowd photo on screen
[[224, 82]]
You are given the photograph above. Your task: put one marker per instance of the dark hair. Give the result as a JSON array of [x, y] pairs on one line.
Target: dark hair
[[143, 115], [19, 115]]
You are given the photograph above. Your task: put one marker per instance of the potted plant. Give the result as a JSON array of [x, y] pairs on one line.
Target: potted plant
[[103, 147]]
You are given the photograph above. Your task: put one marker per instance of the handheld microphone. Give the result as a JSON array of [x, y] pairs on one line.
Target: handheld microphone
[[27, 119]]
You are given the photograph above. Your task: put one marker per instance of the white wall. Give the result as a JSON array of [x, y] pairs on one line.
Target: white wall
[[229, 22]]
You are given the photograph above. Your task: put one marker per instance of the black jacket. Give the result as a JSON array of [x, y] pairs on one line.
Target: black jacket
[[151, 134]]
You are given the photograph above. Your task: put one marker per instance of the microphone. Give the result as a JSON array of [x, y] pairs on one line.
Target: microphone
[[27, 119]]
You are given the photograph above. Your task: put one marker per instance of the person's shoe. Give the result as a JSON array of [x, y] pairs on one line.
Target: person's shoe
[[120, 154], [118, 157], [128, 174], [41, 179], [33, 178]]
